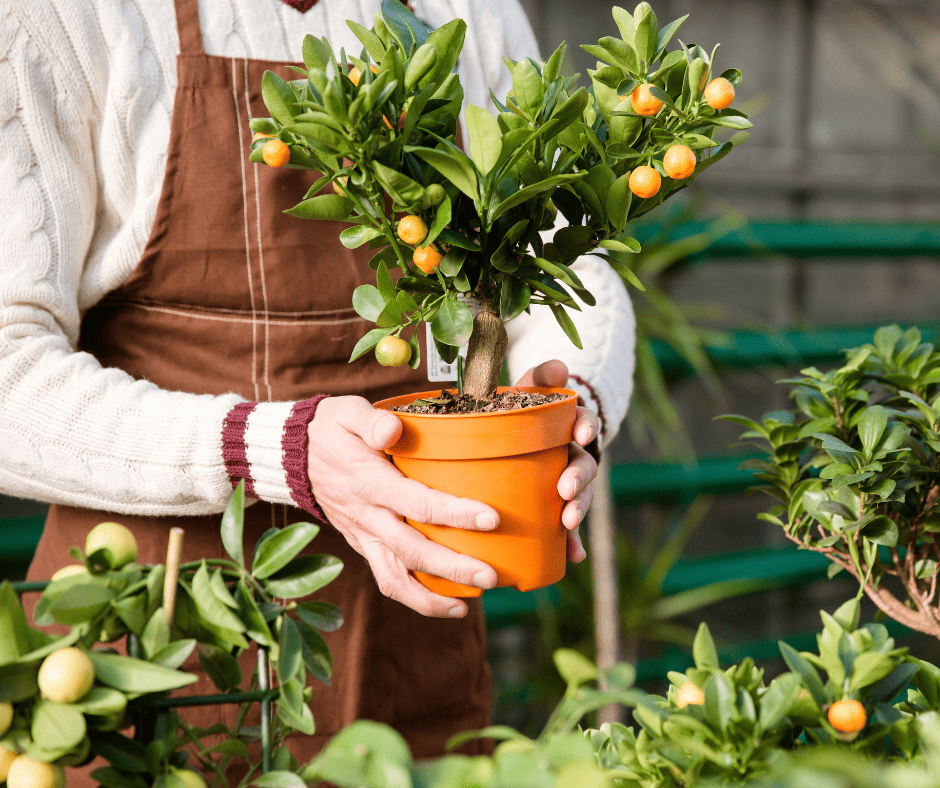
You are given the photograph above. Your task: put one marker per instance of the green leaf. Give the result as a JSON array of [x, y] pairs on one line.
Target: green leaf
[[442, 217], [530, 191], [574, 667], [731, 122], [869, 667], [513, 298], [403, 25], [289, 651], [279, 779], [233, 523], [369, 40], [881, 530], [330, 207], [777, 700], [528, 88], [485, 139], [800, 665], [304, 575], [80, 603], [101, 702], [567, 324], [871, 426], [174, 654], [14, 636], [220, 666], [220, 589], [455, 166], [368, 302], [209, 607], [156, 635], [58, 728], [256, 626], [646, 33], [665, 35], [316, 654], [703, 648], [18, 681], [719, 699], [279, 550], [402, 189], [136, 675], [320, 615], [453, 323], [278, 98], [619, 198], [357, 235]]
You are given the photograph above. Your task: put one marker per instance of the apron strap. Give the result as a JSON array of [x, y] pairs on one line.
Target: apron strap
[[187, 25]]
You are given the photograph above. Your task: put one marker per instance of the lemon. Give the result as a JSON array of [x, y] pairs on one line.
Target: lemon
[[66, 675], [189, 778], [117, 542], [68, 571], [25, 772], [6, 758]]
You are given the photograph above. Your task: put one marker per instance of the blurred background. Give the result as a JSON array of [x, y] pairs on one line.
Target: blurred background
[[821, 227]]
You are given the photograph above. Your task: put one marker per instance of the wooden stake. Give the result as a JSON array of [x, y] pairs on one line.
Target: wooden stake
[[173, 552]]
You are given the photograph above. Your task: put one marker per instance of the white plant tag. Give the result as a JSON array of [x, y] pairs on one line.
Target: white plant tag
[[439, 370]]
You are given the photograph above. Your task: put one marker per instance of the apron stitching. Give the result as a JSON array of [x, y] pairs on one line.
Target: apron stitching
[[264, 289], [251, 320], [251, 287], [177, 306]]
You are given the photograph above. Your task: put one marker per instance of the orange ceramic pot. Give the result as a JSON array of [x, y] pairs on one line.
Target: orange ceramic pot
[[511, 460]]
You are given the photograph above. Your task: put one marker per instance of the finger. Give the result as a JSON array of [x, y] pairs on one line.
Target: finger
[[552, 374], [420, 554], [379, 429], [423, 504], [585, 426], [574, 511], [581, 471], [576, 551], [394, 581]]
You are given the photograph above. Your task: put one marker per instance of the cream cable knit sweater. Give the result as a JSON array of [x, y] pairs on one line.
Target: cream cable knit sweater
[[86, 96]]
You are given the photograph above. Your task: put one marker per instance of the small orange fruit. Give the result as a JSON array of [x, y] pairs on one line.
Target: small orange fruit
[[275, 153], [689, 695], [847, 716], [679, 162], [644, 102], [260, 135], [719, 93], [427, 258], [339, 185], [645, 181], [412, 230], [392, 351], [355, 75]]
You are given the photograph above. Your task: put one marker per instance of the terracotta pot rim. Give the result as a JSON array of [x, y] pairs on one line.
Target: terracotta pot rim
[[405, 398]]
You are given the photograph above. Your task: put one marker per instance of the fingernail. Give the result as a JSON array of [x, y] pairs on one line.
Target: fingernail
[[455, 612], [486, 522], [482, 580]]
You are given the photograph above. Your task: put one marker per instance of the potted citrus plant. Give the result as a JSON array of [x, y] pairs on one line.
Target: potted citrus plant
[[458, 231]]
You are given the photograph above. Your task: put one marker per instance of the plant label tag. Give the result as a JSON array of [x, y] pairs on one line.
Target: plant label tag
[[439, 370]]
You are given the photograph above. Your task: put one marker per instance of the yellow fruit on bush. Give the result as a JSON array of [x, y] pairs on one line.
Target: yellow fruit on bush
[[6, 758], [847, 716], [719, 93], [275, 153], [427, 258], [117, 542], [412, 230], [25, 772], [66, 675], [69, 571], [189, 778], [645, 181], [392, 351], [644, 102], [689, 695], [260, 135], [6, 717], [355, 75], [679, 162]]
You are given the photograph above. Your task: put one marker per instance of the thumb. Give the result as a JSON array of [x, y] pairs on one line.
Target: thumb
[[379, 429], [552, 373]]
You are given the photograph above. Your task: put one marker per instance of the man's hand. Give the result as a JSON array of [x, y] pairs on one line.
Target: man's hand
[[365, 496], [575, 482]]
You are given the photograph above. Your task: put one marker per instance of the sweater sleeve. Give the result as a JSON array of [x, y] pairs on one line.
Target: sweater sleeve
[[72, 431]]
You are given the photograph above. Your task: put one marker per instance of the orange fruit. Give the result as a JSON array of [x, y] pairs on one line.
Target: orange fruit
[[645, 181], [644, 102], [412, 230], [689, 695], [275, 153], [339, 184], [66, 675], [7, 757], [260, 135], [427, 258], [392, 351], [355, 75], [719, 93], [847, 716], [679, 162]]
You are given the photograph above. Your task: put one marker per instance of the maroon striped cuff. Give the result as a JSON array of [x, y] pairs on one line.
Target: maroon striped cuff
[[294, 452], [233, 446]]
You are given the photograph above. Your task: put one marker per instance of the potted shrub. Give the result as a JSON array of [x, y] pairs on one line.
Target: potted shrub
[[457, 235]]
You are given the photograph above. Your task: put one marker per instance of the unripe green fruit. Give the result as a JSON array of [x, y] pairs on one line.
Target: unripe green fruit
[[117, 543]]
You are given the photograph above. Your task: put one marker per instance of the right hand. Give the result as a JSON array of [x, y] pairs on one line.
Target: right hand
[[365, 497]]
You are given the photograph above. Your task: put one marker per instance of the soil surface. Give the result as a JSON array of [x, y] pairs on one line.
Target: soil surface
[[450, 403]]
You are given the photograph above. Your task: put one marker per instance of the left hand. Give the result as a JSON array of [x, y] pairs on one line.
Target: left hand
[[574, 486]]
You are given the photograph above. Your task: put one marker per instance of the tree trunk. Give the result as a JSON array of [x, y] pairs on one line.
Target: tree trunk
[[485, 354]]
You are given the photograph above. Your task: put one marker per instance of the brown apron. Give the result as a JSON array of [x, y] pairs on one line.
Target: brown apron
[[232, 295]]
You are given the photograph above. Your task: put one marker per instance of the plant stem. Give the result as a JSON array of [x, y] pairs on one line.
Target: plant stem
[[485, 353]]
